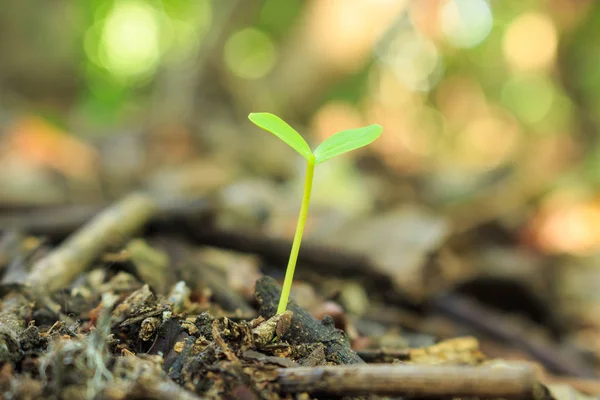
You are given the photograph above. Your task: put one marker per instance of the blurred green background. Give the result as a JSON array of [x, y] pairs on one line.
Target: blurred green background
[[490, 109]]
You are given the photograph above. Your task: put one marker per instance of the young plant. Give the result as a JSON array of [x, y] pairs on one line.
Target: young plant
[[340, 143]]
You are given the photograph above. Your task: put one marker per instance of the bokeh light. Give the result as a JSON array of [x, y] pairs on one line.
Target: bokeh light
[[343, 33], [130, 38], [529, 96], [530, 42], [185, 25], [459, 98], [475, 141], [466, 23], [250, 53], [394, 62], [130, 45], [333, 117], [36, 142], [414, 59], [428, 127], [568, 225]]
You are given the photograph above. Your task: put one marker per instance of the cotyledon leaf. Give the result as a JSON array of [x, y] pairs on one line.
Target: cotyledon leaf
[[345, 141], [283, 131]]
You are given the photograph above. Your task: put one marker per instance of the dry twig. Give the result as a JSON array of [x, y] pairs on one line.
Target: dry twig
[[111, 227], [414, 380], [60, 221]]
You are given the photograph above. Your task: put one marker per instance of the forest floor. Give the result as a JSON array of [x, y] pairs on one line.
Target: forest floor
[[149, 299]]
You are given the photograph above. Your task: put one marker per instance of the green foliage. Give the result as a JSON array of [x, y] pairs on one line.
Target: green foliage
[[340, 143], [283, 131], [345, 141]]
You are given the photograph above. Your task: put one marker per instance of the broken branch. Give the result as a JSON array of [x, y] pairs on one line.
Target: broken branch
[[414, 380], [110, 228]]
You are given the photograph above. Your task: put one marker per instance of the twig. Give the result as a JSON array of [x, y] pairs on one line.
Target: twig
[[414, 380], [384, 355], [59, 221], [218, 339], [49, 220], [151, 264], [74, 255]]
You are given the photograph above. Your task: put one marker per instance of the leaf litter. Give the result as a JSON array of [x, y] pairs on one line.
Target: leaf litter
[[156, 317]]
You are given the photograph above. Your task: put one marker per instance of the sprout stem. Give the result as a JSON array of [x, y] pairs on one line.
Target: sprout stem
[[291, 267]]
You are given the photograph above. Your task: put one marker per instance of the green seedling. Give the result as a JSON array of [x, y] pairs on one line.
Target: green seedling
[[340, 143]]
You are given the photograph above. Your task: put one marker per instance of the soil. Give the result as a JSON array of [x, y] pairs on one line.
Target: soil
[[100, 315]]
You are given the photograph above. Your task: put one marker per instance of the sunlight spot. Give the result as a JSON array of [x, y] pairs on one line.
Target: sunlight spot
[[529, 97], [414, 59], [129, 46], [250, 53], [570, 228], [466, 23], [333, 117], [530, 42], [474, 141]]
